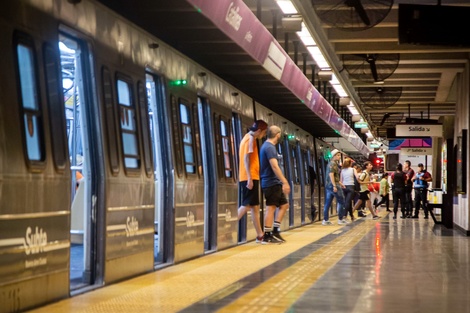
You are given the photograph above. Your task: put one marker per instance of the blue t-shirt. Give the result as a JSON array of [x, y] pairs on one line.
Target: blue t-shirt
[[268, 177]]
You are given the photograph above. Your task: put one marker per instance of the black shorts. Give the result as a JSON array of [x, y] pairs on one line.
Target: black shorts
[[249, 197], [274, 195], [364, 195]]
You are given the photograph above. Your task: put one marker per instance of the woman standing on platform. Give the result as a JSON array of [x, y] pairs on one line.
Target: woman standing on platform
[[347, 179], [398, 191], [364, 181]]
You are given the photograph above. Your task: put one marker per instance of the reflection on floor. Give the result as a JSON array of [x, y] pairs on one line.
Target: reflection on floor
[[388, 265]]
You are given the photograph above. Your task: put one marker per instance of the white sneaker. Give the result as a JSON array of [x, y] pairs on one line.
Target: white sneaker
[[326, 223], [346, 220], [342, 222]]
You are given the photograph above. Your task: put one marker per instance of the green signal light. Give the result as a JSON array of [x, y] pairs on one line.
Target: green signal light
[[179, 82], [290, 137]]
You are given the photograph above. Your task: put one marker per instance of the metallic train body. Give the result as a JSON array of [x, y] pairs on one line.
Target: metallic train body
[[155, 136]]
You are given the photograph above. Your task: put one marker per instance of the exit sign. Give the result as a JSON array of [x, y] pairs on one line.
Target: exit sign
[[360, 125]]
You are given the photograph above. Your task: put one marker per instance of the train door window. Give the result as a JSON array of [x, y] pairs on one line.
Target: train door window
[[197, 142], [305, 167], [56, 109], [188, 142], [280, 159], [110, 120], [144, 113], [226, 146], [130, 144], [176, 135], [31, 107], [295, 165]]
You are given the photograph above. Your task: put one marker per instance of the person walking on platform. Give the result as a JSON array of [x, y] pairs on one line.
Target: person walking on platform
[[357, 190], [249, 174], [420, 184], [333, 189], [364, 181], [347, 179], [384, 192], [275, 187], [410, 173], [398, 189]]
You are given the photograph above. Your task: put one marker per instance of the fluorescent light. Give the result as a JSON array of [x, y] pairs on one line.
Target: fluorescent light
[[287, 7], [353, 110], [306, 37], [319, 58]]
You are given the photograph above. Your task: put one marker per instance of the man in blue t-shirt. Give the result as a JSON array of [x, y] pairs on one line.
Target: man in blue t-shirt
[[275, 187]]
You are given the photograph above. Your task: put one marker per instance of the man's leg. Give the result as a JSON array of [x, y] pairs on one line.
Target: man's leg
[[256, 220]]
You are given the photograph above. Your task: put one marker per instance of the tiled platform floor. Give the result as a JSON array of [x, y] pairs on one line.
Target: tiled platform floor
[[366, 266]]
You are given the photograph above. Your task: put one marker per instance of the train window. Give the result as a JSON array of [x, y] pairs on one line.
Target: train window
[[186, 130], [110, 120], [294, 163], [280, 159], [198, 139], [305, 167], [226, 147], [32, 114], [146, 144], [176, 135], [129, 137], [56, 107]]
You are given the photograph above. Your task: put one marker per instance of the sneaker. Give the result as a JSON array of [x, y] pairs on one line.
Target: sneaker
[[326, 223], [402, 216], [342, 222], [376, 217], [346, 220], [269, 239], [395, 217], [426, 217], [278, 236], [259, 239]]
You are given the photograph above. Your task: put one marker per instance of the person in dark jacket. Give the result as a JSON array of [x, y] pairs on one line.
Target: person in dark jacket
[[398, 191]]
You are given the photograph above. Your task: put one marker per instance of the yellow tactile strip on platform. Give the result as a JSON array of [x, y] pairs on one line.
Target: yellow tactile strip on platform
[[176, 287], [281, 291]]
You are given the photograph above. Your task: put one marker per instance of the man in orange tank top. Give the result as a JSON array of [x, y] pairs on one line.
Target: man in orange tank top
[[249, 174]]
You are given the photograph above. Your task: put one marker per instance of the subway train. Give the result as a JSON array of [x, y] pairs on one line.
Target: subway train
[[118, 154]]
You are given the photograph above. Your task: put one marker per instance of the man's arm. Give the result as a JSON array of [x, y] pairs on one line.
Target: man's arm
[[278, 172]]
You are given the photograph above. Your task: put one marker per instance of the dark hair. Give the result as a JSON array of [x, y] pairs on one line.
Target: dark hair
[[385, 174], [408, 162], [399, 167], [258, 124], [364, 166]]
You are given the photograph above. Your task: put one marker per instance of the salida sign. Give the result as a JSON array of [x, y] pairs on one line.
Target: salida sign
[[417, 130]]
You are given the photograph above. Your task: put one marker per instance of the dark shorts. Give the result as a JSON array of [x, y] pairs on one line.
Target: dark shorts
[[250, 197], [364, 195], [274, 195]]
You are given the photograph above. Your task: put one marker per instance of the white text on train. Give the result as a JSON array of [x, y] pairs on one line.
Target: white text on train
[[233, 18], [35, 242], [132, 226]]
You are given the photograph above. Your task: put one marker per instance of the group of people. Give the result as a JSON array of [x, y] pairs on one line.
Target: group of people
[[404, 180], [343, 183], [351, 181]]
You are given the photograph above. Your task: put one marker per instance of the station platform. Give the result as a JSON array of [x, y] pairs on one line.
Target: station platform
[[385, 265]]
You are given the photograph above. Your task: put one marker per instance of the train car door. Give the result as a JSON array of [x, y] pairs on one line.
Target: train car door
[[283, 158], [296, 192], [189, 175], [163, 174], [306, 189], [226, 177], [84, 158]]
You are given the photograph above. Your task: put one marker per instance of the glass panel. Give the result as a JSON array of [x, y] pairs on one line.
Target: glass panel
[[124, 96], [32, 138], [28, 87], [188, 154], [184, 114]]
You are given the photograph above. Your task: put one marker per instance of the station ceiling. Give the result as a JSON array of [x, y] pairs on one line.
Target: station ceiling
[[425, 74]]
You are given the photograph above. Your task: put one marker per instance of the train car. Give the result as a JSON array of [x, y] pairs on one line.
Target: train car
[[118, 154]]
